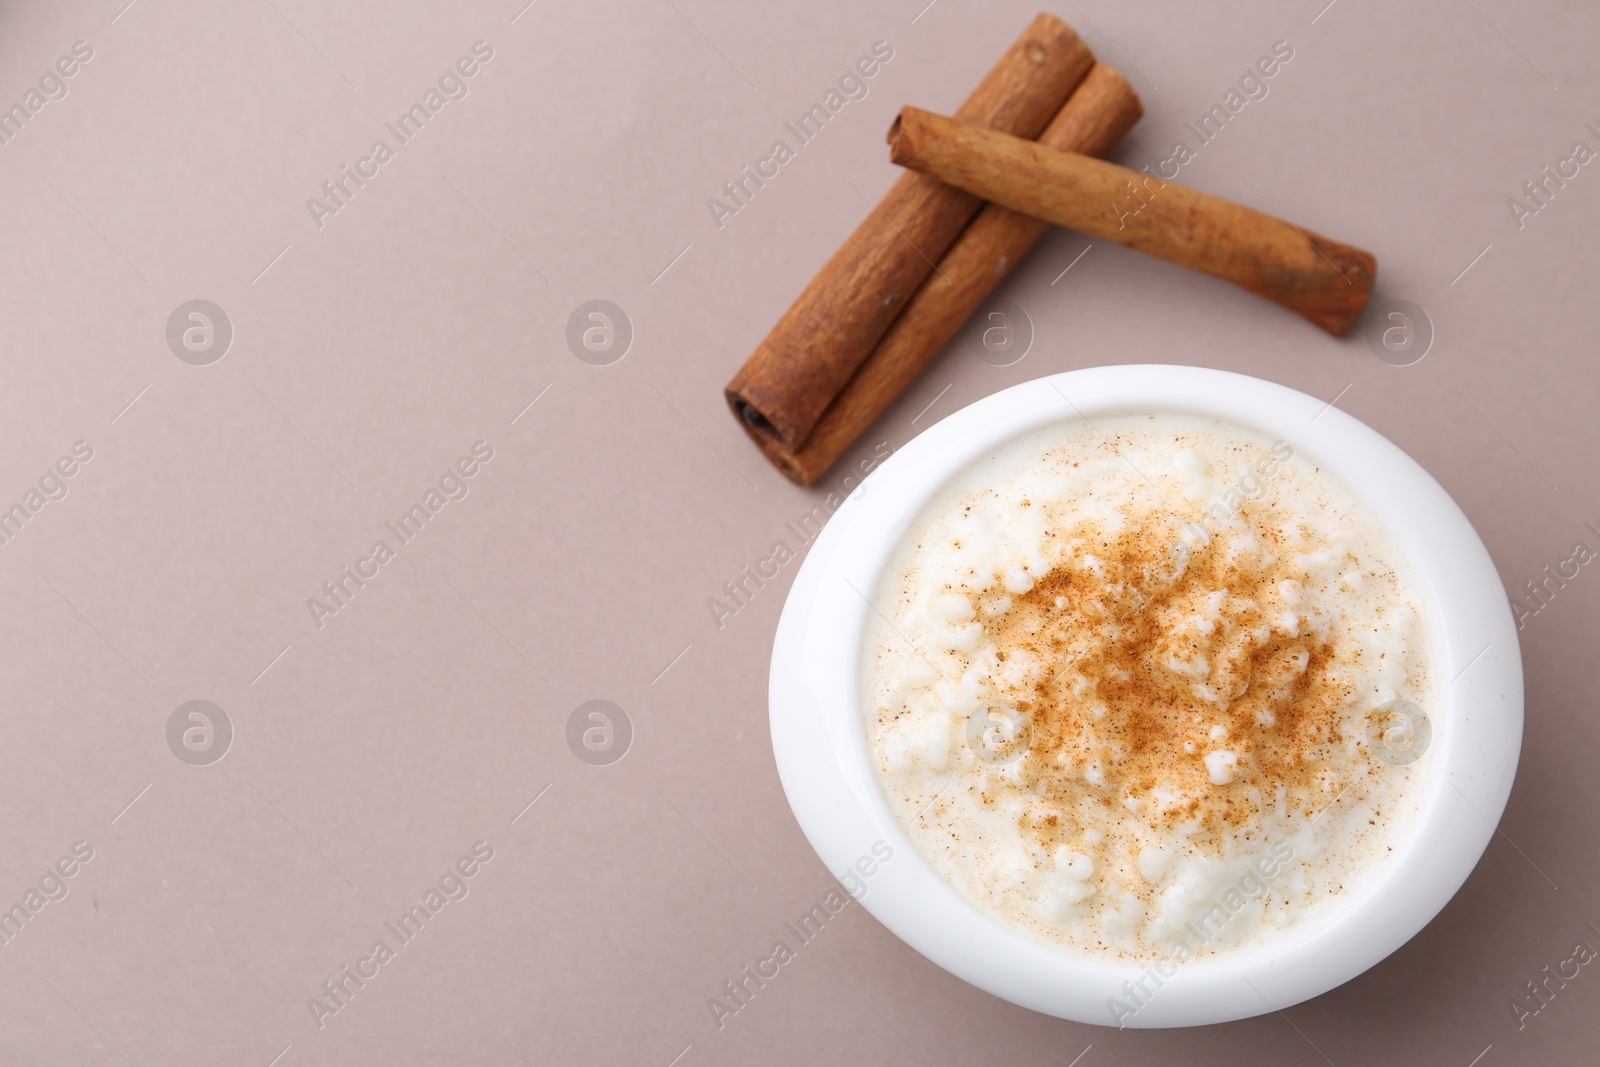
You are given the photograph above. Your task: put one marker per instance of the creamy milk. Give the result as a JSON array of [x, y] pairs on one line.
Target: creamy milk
[[1150, 685]]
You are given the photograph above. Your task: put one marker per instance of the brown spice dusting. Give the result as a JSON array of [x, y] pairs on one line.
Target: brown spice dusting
[[1141, 665]]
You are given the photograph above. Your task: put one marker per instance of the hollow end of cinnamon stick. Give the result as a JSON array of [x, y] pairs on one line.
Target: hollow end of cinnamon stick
[[751, 417], [767, 437], [911, 130], [1334, 310]]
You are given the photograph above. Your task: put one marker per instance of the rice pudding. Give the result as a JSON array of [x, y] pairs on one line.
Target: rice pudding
[[1149, 686]]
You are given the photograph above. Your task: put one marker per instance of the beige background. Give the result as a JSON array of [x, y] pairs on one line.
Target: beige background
[[431, 309]]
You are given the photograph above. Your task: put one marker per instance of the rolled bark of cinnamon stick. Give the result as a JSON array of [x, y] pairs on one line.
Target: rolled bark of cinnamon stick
[[1094, 120], [1321, 279], [821, 341]]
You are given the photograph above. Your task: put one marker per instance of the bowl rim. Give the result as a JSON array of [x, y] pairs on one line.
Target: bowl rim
[[825, 766]]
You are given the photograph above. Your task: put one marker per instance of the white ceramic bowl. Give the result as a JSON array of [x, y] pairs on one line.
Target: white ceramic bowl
[[832, 784]]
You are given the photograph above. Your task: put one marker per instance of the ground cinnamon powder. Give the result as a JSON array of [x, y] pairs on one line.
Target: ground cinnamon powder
[[1129, 632]]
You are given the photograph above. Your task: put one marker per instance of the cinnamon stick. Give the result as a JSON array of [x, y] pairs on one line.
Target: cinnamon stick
[[1094, 120], [1321, 279], [821, 341]]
